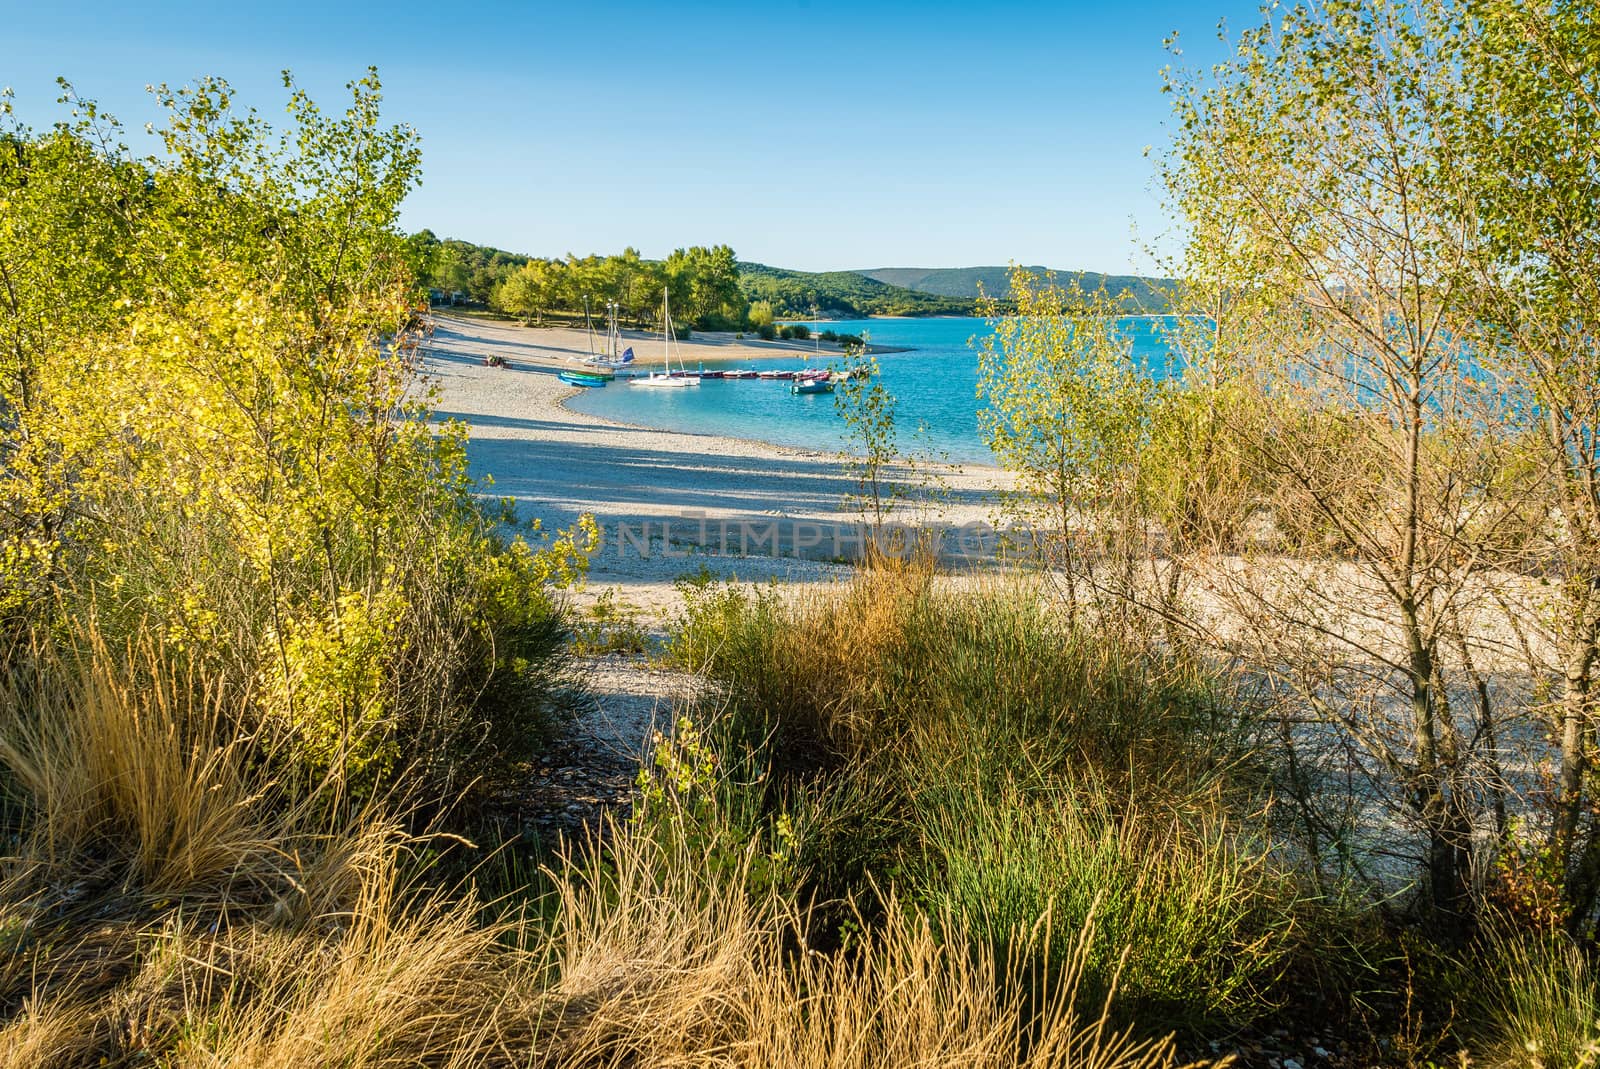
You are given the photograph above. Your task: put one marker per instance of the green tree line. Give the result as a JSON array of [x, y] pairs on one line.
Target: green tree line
[[709, 288], [702, 282]]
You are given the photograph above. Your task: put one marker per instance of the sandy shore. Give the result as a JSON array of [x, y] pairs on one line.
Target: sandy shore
[[709, 501]]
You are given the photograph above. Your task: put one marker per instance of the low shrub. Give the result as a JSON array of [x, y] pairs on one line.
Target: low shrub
[[609, 626], [963, 747], [990, 672]]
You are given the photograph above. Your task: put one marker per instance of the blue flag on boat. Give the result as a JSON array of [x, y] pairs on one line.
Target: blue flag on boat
[[627, 355]]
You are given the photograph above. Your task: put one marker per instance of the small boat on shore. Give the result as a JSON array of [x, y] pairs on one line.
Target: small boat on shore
[[582, 378], [609, 361]]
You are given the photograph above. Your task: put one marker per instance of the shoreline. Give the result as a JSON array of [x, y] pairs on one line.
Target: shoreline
[[560, 401], [567, 392], [556, 463]]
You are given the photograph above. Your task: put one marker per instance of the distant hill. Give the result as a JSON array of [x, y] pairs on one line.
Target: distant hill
[[841, 294], [1145, 294]]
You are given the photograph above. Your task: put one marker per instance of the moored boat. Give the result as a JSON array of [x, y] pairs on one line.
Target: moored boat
[[667, 377], [811, 384]]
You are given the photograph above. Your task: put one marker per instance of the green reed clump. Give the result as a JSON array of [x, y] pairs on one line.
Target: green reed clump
[[965, 748], [1191, 925], [991, 674], [1543, 1004]]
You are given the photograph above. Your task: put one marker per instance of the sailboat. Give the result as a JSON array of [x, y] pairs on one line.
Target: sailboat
[[608, 362], [667, 377]]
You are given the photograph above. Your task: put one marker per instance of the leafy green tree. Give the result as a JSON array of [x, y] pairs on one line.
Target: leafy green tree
[[213, 438], [1064, 408], [528, 291], [760, 314], [1529, 152], [1314, 169]]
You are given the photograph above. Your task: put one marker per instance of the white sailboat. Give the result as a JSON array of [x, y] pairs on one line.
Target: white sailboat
[[610, 360], [667, 377]]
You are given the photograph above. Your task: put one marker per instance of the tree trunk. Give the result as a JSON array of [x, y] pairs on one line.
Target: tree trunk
[[1432, 800], [1575, 731]]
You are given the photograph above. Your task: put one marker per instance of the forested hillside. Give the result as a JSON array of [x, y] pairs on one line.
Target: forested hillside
[[847, 294], [1142, 293], [712, 290]]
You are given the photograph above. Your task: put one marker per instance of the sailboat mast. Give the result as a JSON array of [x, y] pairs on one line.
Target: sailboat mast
[[588, 325]]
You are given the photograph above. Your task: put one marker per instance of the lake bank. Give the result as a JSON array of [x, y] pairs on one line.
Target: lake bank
[[557, 463]]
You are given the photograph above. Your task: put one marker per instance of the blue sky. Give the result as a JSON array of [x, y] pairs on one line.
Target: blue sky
[[809, 134]]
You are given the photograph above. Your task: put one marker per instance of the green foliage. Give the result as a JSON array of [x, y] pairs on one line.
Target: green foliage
[[1197, 472], [974, 754], [1065, 408], [1189, 923], [760, 315], [702, 282], [223, 448], [609, 626], [455, 266], [691, 798], [990, 677]]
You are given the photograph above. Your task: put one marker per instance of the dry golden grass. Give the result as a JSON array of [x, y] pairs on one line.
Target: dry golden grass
[[167, 904], [658, 962], [666, 962]]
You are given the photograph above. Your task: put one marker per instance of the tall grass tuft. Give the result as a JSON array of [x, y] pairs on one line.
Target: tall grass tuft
[[988, 672], [1544, 1005], [664, 960], [132, 772], [1189, 923]]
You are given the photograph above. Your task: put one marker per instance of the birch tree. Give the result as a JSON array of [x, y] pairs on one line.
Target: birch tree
[[1311, 170], [1531, 157]]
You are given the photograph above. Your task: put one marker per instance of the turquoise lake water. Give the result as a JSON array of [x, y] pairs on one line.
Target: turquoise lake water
[[935, 385]]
